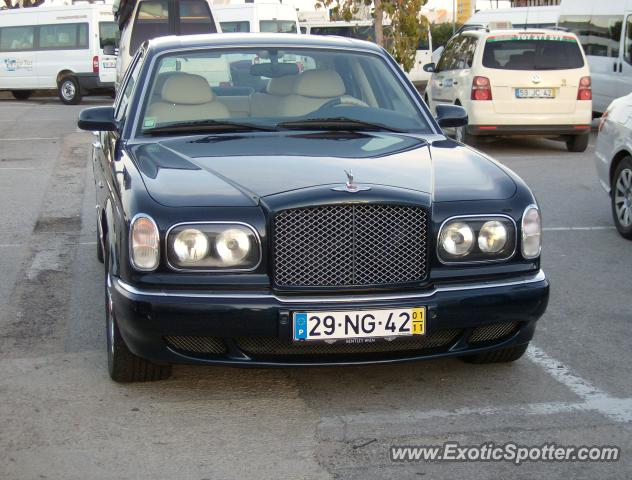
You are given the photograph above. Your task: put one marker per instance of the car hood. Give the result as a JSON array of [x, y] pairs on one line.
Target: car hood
[[240, 169]]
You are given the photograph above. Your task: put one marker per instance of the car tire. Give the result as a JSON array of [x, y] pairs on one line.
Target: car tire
[[99, 248], [503, 355], [578, 143], [21, 94], [123, 365], [461, 135], [69, 91], [621, 197]]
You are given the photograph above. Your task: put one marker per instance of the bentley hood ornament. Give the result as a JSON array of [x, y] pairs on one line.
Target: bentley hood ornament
[[350, 186]]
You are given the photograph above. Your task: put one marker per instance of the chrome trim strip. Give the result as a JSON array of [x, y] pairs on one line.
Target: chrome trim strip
[[538, 277]]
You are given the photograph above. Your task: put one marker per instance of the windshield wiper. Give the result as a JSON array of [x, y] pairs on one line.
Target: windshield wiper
[[337, 123], [194, 126]]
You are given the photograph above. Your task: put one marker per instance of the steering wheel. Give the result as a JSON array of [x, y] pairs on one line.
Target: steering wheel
[[346, 100]]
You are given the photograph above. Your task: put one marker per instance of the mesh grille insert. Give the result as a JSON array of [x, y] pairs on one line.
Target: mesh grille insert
[[493, 332], [208, 345], [350, 245], [277, 346]]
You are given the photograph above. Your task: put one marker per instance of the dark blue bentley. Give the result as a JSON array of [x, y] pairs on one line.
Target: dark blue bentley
[[289, 200]]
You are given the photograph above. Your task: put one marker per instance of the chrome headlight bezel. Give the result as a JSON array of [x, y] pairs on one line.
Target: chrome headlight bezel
[[475, 255], [212, 230]]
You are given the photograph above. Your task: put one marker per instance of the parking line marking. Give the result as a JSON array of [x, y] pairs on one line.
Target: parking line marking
[[573, 229], [617, 409], [27, 139], [87, 243], [18, 168], [9, 245]]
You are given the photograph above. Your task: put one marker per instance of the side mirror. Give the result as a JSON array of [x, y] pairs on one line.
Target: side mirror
[[97, 118], [109, 49], [429, 67], [451, 116]]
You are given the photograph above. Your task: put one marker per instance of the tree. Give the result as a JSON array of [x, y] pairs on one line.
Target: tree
[[22, 3], [441, 33], [407, 25]]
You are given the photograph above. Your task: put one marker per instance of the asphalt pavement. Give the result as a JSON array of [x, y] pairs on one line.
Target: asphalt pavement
[[61, 417]]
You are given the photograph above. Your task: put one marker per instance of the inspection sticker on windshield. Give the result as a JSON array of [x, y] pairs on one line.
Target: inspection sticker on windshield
[[531, 36], [149, 122], [359, 324]]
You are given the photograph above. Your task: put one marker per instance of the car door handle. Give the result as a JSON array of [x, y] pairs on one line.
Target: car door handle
[[100, 184], [455, 83]]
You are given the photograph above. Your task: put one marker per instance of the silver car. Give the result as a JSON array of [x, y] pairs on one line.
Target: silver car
[[614, 161]]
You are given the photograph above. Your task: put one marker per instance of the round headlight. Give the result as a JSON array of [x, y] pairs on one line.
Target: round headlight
[[531, 232], [233, 246], [190, 246], [493, 237], [457, 239]]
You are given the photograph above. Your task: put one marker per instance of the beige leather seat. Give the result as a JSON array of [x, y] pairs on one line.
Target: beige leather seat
[[313, 89], [269, 104], [186, 97]]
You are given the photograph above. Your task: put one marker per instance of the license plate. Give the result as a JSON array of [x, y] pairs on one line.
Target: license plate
[[312, 326], [535, 93], [109, 64]]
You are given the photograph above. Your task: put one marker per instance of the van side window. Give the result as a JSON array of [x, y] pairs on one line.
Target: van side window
[[627, 54], [152, 20], [600, 35], [17, 38], [446, 60], [195, 17], [233, 27], [64, 36]]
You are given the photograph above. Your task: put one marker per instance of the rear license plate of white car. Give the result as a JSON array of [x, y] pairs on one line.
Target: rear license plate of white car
[[312, 326], [535, 93], [109, 63]]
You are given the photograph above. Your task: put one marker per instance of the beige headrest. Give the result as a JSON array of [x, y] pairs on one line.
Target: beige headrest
[[186, 89], [282, 85], [320, 84]]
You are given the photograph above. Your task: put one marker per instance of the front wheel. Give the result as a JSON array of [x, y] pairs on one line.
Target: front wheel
[[621, 198], [69, 91], [123, 365], [21, 94], [461, 135], [578, 143], [503, 355]]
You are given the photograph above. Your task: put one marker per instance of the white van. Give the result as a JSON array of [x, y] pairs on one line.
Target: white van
[[257, 17], [57, 48], [518, 17], [605, 31], [146, 19], [365, 30]]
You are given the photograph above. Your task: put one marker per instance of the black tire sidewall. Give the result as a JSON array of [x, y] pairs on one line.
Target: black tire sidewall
[[578, 143], [625, 163]]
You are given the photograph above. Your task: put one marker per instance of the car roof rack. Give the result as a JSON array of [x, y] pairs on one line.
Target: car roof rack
[[468, 28]]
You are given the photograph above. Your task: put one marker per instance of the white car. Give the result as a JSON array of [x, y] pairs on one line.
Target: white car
[[614, 161], [512, 82]]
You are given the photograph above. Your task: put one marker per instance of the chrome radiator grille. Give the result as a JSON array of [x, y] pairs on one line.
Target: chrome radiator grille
[[350, 245]]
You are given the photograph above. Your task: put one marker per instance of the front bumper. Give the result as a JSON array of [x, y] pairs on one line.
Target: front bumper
[[254, 328]]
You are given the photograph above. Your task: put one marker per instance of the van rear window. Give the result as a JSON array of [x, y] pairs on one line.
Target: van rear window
[[532, 52]]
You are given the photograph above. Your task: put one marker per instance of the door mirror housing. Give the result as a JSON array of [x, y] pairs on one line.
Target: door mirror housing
[[429, 67], [451, 116], [97, 119]]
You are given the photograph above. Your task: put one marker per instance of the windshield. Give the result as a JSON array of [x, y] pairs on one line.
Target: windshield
[[532, 52], [272, 89]]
